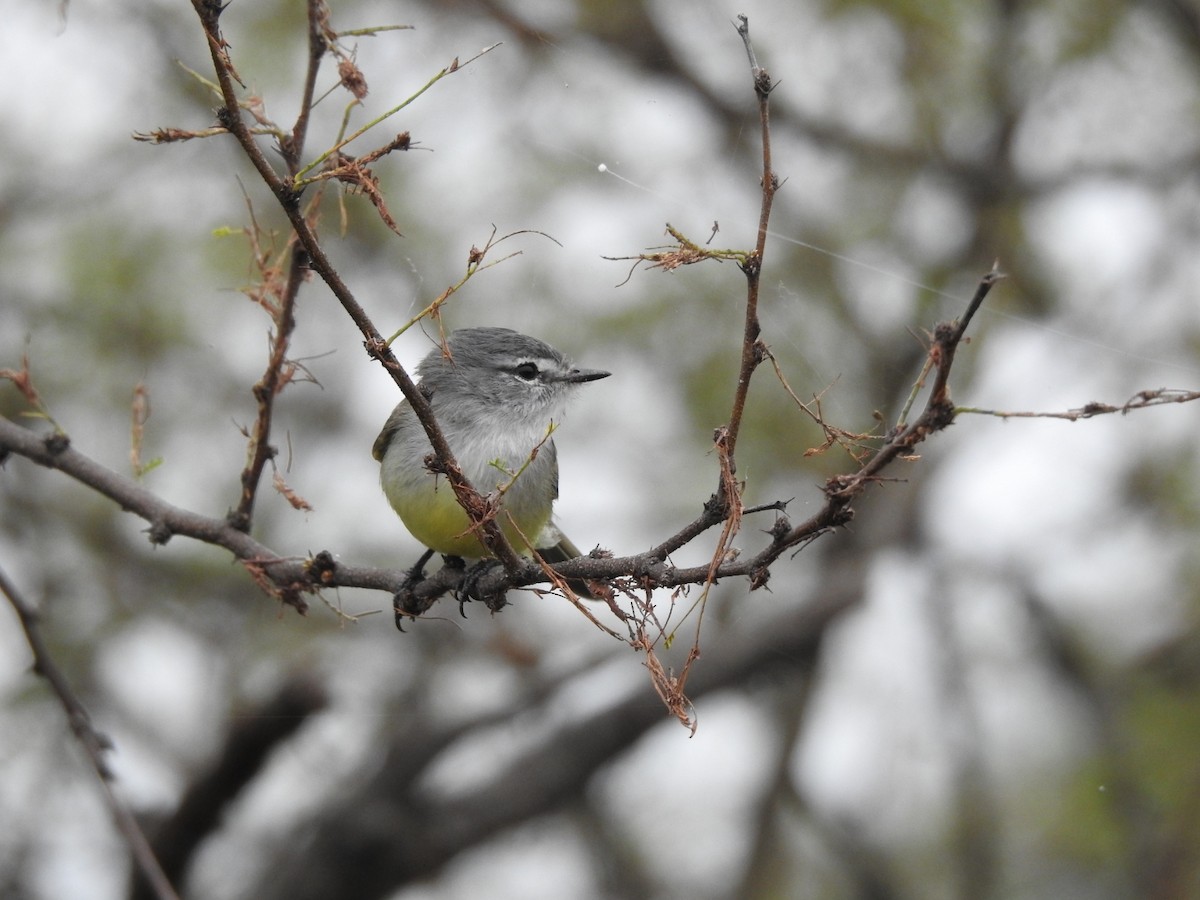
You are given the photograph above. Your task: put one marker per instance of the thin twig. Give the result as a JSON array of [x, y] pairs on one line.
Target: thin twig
[[265, 392], [448, 70], [284, 316], [1140, 400], [752, 354], [728, 494], [947, 337], [318, 45]]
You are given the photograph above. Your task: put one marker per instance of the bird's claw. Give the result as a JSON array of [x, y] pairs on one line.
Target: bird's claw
[[469, 590]]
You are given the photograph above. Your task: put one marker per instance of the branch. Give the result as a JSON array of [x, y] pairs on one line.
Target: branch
[[1140, 400], [752, 352], [727, 502], [209, 12], [286, 578], [266, 390], [93, 743], [54, 451], [321, 38], [454, 66]]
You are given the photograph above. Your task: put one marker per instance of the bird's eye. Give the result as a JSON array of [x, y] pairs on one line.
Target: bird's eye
[[527, 371]]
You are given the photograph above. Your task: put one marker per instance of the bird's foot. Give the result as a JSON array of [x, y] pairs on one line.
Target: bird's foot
[[470, 590], [405, 603]]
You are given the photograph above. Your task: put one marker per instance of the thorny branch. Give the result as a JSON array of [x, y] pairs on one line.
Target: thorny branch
[[728, 498]]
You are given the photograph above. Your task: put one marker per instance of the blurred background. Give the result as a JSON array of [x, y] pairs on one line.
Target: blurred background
[[987, 686]]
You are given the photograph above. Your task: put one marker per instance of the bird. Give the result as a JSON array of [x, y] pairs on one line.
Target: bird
[[497, 396]]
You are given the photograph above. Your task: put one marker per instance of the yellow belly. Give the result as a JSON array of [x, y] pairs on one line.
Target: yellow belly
[[434, 518]]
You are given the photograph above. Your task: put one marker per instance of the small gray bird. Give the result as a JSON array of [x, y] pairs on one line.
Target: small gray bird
[[495, 394]]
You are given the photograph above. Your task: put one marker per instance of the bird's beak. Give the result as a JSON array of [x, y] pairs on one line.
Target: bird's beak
[[579, 376]]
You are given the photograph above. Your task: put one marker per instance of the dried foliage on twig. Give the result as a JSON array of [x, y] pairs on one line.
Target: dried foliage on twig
[[139, 415]]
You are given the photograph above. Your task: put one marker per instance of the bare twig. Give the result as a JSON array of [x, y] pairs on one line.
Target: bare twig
[[54, 451], [265, 391], [856, 444], [752, 352], [454, 66], [321, 39], [94, 744], [728, 497], [948, 336], [475, 265], [1140, 400]]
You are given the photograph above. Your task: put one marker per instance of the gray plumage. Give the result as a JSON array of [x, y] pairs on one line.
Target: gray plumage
[[494, 393]]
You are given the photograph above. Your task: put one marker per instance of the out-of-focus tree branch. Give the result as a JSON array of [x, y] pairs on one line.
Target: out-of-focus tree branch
[[408, 832], [95, 746], [252, 737]]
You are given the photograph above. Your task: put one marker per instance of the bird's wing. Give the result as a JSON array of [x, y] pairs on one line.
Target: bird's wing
[[390, 427]]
